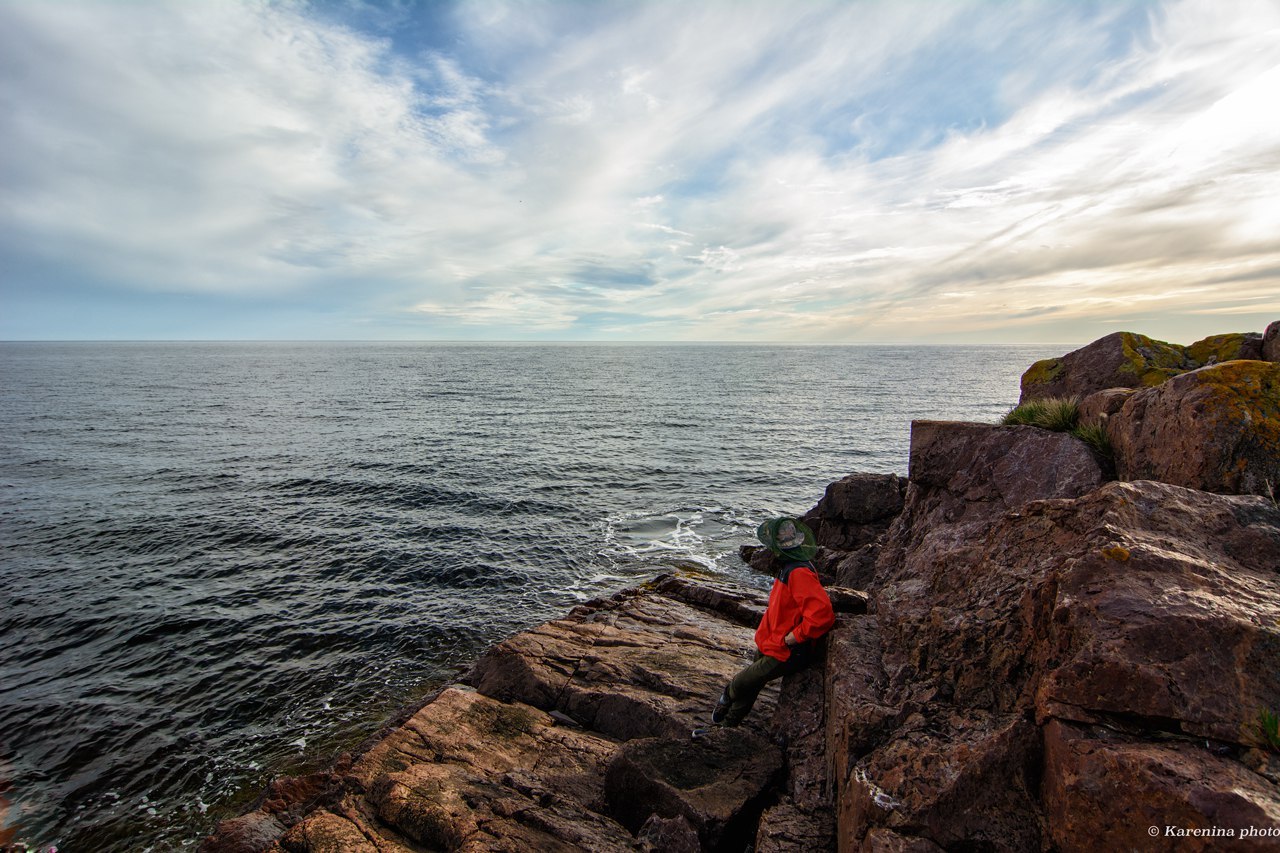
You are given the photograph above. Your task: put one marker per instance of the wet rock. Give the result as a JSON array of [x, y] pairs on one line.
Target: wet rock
[[1101, 405], [283, 802], [1119, 360], [717, 783], [250, 833], [1215, 429], [1271, 342], [1105, 791]]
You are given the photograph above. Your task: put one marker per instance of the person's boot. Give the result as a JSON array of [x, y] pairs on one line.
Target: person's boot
[[722, 707]]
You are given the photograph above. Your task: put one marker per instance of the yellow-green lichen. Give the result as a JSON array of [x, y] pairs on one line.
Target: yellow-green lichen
[[1043, 372], [1157, 376], [1151, 361], [1117, 553], [1218, 348], [1247, 393]]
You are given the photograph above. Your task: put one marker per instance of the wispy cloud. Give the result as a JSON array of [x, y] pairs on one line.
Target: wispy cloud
[[832, 171]]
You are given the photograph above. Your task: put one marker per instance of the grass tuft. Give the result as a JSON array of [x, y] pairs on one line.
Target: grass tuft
[[1060, 414], [1095, 435], [1269, 727]]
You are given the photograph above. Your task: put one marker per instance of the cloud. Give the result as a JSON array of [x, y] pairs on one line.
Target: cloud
[[833, 171]]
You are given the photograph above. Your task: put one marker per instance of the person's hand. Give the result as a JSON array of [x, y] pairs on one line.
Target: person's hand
[[790, 639]]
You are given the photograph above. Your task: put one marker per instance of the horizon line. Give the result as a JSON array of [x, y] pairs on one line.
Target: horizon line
[[516, 341]]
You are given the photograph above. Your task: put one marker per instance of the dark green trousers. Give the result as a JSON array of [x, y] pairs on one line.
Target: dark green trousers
[[746, 685]]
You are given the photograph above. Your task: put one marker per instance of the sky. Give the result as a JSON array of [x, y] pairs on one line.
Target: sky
[[864, 171]]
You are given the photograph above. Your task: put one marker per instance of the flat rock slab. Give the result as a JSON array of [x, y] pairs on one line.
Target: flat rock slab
[[645, 663], [573, 736]]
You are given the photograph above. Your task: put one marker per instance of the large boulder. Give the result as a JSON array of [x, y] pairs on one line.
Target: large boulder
[[1096, 408], [1215, 429], [965, 780], [964, 474], [987, 467], [470, 773], [1119, 360], [1158, 592]]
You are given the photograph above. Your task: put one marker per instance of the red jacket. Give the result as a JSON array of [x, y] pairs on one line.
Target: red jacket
[[798, 605]]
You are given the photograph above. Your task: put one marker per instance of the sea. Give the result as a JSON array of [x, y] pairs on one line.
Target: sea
[[225, 562]]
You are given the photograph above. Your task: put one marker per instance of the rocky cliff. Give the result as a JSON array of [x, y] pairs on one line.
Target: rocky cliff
[[1050, 651]]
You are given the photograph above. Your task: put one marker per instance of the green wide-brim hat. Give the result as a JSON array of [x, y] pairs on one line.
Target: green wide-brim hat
[[788, 537]]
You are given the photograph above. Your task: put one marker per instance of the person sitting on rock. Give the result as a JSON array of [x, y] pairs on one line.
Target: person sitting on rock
[[799, 613]]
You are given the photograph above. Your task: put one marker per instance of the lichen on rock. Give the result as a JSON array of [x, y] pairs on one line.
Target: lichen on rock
[[1231, 346]]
